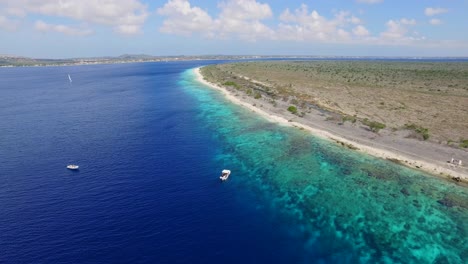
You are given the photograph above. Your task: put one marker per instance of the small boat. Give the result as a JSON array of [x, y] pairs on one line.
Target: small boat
[[225, 175], [73, 167], [69, 78]]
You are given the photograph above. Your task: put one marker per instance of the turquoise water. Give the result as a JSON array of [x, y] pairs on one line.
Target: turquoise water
[[333, 204]]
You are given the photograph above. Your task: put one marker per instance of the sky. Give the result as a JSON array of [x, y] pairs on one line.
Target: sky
[[90, 28]]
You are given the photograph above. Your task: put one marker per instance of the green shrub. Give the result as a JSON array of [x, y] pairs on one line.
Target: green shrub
[[351, 119], [257, 95], [292, 109], [373, 125], [464, 143], [424, 132], [231, 83]]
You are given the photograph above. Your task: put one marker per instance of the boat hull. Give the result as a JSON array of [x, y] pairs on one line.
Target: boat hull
[[73, 167], [225, 175]]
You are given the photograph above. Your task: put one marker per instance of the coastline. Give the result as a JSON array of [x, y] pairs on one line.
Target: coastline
[[385, 151]]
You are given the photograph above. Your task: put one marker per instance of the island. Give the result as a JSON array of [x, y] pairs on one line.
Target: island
[[414, 113]]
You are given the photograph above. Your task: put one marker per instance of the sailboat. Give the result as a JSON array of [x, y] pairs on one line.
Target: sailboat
[[69, 78]]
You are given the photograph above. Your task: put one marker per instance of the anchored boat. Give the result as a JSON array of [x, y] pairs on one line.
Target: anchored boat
[[225, 175], [73, 167]]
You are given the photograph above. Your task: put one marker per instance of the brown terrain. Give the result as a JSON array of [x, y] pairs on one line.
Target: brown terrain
[[417, 108]]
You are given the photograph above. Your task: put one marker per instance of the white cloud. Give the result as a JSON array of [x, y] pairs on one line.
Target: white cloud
[[406, 21], [68, 30], [430, 11], [245, 10], [125, 16], [369, 1], [398, 32], [8, 24], [304, 25], [240, 18], [355, 20], [395, 30], [243, 18], [343, 34], [182, 19], [360, 31], [435, 21]]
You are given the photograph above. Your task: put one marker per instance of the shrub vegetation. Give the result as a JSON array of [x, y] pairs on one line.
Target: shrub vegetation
[[424, 132], [292, 109], [373, 125], [464, 143], [231, 83]]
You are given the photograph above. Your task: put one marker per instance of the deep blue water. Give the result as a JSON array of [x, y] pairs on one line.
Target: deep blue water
[[147, 190], [151, 142]]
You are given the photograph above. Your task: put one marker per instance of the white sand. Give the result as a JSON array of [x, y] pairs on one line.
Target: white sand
[[409, 160]]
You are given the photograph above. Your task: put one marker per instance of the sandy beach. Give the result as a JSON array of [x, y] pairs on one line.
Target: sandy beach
[[429, 157]]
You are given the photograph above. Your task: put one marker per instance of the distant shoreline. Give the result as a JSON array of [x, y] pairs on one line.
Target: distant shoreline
[[350, 140], [18, 61]]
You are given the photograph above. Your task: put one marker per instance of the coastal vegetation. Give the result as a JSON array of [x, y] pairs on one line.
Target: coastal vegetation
[[231, 83], [464, 143], [424, 132], [374, 126], [292, 109], [430, 99], [351, 119]]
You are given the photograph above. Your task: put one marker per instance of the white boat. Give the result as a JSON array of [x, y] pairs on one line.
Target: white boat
[[225, 175], [69, 78], [73, 167]]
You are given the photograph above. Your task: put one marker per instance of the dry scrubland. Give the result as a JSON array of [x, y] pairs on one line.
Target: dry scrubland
[[427, 100]]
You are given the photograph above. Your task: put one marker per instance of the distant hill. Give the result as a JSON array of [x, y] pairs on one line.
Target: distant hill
[[8, 60]]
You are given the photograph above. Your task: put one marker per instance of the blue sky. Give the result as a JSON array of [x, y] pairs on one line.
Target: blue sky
[[87, 28]]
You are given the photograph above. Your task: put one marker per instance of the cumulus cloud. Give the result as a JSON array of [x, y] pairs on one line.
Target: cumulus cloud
[[360, 31], [369, 1], [245, 10], [304, 25], [244, 19], [183, 19], [355, 20], [399, 31], [241, 18], [431, 11], [68, 30], [125, 16], [435, 21]]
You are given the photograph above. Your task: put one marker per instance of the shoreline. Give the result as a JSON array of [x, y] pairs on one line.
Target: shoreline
[[360, 144]]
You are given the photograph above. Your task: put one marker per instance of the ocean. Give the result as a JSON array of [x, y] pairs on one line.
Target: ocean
[[151, 143]]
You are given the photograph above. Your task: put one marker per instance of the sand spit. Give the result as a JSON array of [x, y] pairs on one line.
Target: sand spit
[[426, 156]]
